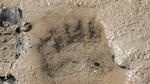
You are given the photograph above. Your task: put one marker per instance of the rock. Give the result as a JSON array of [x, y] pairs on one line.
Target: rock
[[1, 81], [26, 27], [11, 15], [9, 79]]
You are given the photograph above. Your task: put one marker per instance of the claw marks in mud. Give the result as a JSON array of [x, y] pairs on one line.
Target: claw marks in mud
[[79, 31]]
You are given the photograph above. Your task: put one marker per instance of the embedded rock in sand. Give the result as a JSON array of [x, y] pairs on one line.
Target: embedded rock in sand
[[11, 14]]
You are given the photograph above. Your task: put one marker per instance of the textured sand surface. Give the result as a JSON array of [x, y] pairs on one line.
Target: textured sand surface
[[78, 42]]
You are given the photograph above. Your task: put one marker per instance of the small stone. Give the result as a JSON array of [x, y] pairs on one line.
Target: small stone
[[80, 3], [97, 64], [30, 46], [26, 27], [3, 48], [28, 38], [6, 24], [17, 55], [95, 71]]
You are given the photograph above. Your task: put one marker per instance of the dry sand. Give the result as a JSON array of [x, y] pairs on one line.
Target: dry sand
[[78, 42]]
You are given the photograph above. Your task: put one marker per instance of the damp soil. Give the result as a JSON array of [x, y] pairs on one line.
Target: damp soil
[[72, 48]]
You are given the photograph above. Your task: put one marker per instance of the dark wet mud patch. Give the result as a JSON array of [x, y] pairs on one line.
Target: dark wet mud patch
[[73, 43]]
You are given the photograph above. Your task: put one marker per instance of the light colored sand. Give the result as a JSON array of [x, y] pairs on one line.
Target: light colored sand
[[124, 30]]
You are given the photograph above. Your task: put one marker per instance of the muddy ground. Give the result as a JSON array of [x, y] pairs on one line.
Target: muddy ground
[[76, 42]]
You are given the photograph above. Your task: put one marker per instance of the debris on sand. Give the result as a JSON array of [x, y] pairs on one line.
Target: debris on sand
[[14, 43]]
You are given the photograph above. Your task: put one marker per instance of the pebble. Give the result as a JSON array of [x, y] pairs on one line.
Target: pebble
[[26, 27], [30, 46], [95, 71], [3, 48], [11, 15]]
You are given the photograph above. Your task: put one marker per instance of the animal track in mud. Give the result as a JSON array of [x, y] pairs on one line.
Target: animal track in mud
[[73, 43]]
